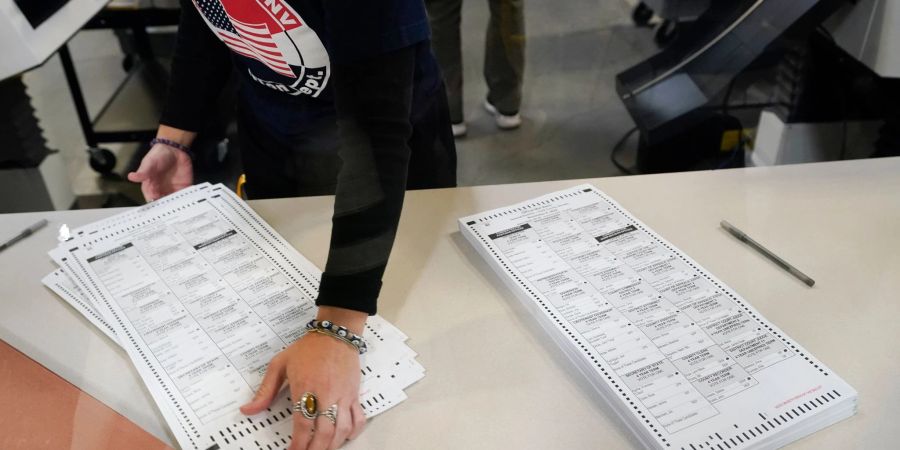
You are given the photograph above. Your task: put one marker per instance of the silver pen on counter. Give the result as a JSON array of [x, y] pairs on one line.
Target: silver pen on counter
[[24, 234], [767, 253]]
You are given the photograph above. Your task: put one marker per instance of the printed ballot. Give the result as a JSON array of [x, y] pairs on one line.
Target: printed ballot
[[202, 293], [680, 357]]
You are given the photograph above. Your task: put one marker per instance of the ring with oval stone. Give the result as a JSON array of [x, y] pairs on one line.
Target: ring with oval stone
[[308, 405]]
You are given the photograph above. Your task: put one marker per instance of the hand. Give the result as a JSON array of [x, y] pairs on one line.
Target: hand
[[329, 369], [163, 170]]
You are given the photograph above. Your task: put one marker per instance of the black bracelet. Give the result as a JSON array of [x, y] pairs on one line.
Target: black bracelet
[[173, 144], [336, 331]]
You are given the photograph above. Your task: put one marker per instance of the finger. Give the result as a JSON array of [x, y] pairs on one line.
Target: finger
[[359, 420], [148, 188], [303, 430], [343, 428], [150, 191], [268, 389], [160, 189], [324, 434], [137, 177]]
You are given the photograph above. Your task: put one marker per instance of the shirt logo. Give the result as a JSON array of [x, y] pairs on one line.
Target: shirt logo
[[272, 33]]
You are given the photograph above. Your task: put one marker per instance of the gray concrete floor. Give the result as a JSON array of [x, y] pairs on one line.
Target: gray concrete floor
[[572, 115]]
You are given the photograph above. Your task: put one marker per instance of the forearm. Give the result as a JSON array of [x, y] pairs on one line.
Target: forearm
[[373, 100]]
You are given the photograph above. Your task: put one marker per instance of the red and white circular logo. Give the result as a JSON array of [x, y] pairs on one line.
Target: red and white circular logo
[[272, 33]]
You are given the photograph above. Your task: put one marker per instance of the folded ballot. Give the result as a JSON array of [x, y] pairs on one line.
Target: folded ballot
[[202, 293], [683, 360]]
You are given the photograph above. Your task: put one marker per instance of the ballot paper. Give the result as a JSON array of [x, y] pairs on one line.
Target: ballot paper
[[66, 289], [680, 357], [202, 293]]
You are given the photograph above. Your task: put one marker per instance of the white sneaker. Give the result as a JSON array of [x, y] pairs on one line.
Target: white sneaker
[[459, 129], [504, 122]]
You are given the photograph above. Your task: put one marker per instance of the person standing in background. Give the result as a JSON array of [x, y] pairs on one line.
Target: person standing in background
[[504, 59]]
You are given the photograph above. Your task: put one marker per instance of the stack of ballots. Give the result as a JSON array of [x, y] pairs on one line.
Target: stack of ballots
[[201, 293], [683, 360]]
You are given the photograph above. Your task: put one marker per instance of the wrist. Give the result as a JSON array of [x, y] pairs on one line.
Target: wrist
[[339, 332], [177, 135], [355, 321], [182, 149], [330, 341]]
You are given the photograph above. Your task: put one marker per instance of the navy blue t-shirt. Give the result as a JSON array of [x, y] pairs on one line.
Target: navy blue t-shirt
[[284, 51]]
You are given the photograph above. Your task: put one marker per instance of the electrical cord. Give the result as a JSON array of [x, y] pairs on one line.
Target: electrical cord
[[617, 148]]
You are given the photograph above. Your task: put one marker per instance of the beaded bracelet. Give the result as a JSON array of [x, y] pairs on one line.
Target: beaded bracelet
[[336, 331], [173, 144]]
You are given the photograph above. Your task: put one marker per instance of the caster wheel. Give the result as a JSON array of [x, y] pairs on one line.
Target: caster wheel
[[128, 63], [666, 33], [641, 15], [102, 160]]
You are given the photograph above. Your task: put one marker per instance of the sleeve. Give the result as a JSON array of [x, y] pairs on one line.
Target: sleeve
[[200, 68], [373, 98]]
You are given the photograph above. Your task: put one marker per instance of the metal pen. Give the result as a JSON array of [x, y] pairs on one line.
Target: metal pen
[[24, 234], [765, 252]]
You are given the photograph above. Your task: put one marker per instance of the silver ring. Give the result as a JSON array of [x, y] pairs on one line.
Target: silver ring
[[330, 414], [308, 405]]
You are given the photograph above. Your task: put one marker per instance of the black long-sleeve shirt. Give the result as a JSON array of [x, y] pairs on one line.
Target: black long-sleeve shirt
[[366, 63]]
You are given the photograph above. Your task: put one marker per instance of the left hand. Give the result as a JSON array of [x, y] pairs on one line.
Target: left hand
[[326, 367], [163, 170]]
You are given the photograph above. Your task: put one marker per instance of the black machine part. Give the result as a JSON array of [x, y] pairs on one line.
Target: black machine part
[[698, 148], [680, 86], [22, 142]]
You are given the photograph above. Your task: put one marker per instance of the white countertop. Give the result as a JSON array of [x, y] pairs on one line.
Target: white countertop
[[493, 379]]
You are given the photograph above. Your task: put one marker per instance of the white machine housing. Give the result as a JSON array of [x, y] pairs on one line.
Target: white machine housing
[[870, 31], [24, 46]]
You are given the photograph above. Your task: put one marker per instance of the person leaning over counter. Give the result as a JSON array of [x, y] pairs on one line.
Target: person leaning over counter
[[318, 79]]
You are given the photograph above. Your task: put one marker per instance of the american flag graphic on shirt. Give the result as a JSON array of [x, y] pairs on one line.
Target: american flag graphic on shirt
[[272, 33], [253, 40]]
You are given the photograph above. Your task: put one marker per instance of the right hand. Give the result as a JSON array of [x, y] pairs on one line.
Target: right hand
[[327, 367], [163, 170]]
